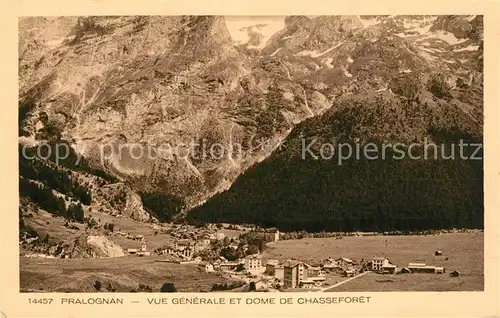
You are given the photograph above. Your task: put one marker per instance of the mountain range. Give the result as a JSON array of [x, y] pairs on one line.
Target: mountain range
[[254, 87]]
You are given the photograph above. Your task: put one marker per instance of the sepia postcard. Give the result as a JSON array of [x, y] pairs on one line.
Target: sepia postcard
[[297, 159]]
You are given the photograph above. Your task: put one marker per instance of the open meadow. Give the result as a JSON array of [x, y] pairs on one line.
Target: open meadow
[[461, 251], [120, 274]]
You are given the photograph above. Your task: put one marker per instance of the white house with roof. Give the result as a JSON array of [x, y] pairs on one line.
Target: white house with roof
[[253, 264], [207, 267], [378, 263], [383, 265]]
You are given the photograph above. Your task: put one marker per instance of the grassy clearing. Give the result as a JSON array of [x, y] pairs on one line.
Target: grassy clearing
[[461, 251], [44, 222]]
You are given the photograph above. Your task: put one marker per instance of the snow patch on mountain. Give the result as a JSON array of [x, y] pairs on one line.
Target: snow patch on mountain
[[254, 31], [274, 53], [431, 50], [448, 37], [328, 62], [55, 43], [318, 54], [368, 22], [471, 47]]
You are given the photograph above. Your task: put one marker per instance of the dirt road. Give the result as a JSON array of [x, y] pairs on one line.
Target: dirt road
[[342, 282]]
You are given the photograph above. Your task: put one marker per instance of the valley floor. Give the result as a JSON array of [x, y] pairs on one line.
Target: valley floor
[[461, 251]]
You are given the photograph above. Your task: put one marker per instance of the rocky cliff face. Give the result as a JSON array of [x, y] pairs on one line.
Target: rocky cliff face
[[402, 79], [181, 89]]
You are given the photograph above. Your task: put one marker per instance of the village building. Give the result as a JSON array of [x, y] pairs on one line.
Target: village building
[[438, 253], [228, 266], [261, 285], [185, 252], [389, 269], [416, 265], [329, 265], [307, 283], [144, 250], [132, 251], [313, 271], [216, 264], [253, 263], [183, 248], [423, 268], [207, 267], [201, 245], [349, 272], [383, 265], [276, 236], [234, 246], [367, 266], [378, 263], [270, 265], [294, 273], [169, 250], [345, 262], [198, 259], [180, 244], [318, 280], [279, 273], [405, 270], [455, 273]]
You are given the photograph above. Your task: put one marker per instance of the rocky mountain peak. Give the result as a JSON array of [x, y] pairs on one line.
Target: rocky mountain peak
[[237, 83]]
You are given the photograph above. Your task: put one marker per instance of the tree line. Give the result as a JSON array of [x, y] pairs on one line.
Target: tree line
[[44, 197], [55, 177]]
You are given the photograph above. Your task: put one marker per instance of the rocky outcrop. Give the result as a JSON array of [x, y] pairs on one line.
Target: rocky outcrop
[[103, 246]]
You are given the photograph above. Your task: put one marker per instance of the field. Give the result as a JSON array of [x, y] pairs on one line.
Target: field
[[461, 251], [120, 274]]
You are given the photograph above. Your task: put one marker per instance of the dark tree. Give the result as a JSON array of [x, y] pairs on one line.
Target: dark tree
[[252, 286], [168, 288]]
